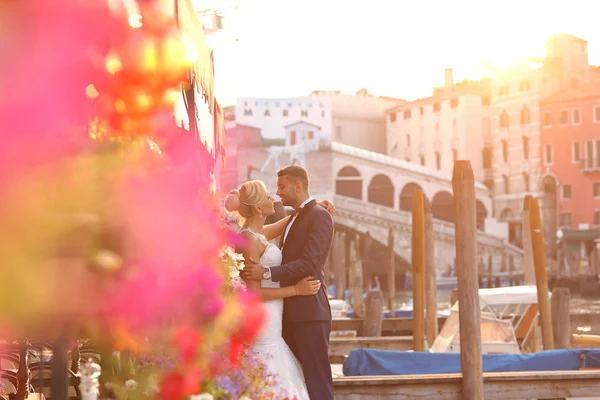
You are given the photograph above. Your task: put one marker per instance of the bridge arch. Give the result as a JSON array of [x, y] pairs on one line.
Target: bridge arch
[[506, 215], [348, 182], [481, 214], [406, 195], [442, 206], [381, 190]]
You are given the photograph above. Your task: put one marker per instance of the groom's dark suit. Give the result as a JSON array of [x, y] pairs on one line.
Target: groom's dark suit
[[307, 319]]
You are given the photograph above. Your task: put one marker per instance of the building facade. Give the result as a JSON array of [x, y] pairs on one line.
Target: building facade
[[359, 120], [435, 131], [570, 142], [516, 122]]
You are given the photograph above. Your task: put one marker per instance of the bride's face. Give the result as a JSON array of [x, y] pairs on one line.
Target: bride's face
[[268, 207]]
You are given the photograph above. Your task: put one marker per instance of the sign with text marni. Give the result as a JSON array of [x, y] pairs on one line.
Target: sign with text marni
[[289, 121]]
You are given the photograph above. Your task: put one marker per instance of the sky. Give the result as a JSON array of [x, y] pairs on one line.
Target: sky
[[398, 48]]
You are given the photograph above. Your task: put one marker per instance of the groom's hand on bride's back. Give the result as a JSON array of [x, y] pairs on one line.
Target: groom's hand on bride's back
[[253, 270]]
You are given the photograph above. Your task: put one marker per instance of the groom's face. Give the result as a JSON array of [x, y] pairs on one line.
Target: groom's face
[[287, 191]]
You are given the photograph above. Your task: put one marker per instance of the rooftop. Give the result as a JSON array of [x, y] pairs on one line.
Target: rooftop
[[590, 90]]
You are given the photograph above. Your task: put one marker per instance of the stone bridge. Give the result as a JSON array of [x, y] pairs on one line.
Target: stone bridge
[[373, 194], [363, 217]]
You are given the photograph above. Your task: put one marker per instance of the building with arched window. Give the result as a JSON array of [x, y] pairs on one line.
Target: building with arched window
[[518, 166]]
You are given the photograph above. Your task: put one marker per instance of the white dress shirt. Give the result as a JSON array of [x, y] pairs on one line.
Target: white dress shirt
[[287, 229]]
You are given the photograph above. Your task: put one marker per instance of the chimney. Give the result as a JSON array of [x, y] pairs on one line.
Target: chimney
[[448, 81]]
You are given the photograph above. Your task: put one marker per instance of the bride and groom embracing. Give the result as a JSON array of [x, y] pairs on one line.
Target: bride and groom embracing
[[294, 343]]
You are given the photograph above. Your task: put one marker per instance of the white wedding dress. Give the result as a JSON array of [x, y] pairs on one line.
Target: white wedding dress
[[270, 346]]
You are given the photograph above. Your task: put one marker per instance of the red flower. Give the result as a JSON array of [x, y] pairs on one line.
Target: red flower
[[172, 386], [235, 350], [192, 381], [187, 341], [176, 386]]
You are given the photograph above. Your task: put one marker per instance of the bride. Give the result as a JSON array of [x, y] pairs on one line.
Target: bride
[[253, 203]]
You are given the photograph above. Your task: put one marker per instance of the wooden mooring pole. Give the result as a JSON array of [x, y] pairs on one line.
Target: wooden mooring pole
[[528, 266], [561, 318], [463, 186], [541, 277], [374, 314], [431, 326], [391, 275], [418, 269]]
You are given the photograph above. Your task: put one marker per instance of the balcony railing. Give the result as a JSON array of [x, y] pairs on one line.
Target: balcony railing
[[590, 164]]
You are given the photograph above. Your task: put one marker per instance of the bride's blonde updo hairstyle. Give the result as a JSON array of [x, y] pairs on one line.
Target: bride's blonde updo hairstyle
[[244, 199]]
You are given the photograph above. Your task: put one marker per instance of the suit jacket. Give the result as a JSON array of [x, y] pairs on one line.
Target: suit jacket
[[305, 252]]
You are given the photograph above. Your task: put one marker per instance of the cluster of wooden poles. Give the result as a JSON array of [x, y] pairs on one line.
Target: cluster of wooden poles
[[425, 322]]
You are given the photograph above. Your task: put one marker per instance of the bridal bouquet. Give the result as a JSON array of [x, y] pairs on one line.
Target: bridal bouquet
[[234, 263]]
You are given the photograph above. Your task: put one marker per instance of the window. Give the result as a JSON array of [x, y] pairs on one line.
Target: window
[[564, 117], [438, 161], [576, 152], [524, 86], [526, 181], [485, 100], [406, 114], [392, 117], [454, 155], [504, 120], [486, 127], [285, 113], [596, 189], [525, 115], [576, 116], [506, 184], [566, 192], [503, 91], [565, 219], [421, 111], [547, 118], [597, 114], [574, 83], [407, 159], [408, 140], [453, 103], [525, 148], [338, 132], [596, 217], [487, 157], [548, 154], [303, 113], [505, 150], [248, 112], [436, 107], [422, 157]]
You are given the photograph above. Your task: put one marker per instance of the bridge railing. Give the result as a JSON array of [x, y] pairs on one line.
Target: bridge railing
[[440, 227]]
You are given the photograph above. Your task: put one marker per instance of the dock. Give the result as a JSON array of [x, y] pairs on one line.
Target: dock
[[496, 386]]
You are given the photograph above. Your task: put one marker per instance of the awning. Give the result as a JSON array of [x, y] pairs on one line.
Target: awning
[[580, 234]]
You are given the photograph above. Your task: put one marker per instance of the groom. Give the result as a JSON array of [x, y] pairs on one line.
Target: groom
[[305, 245]]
